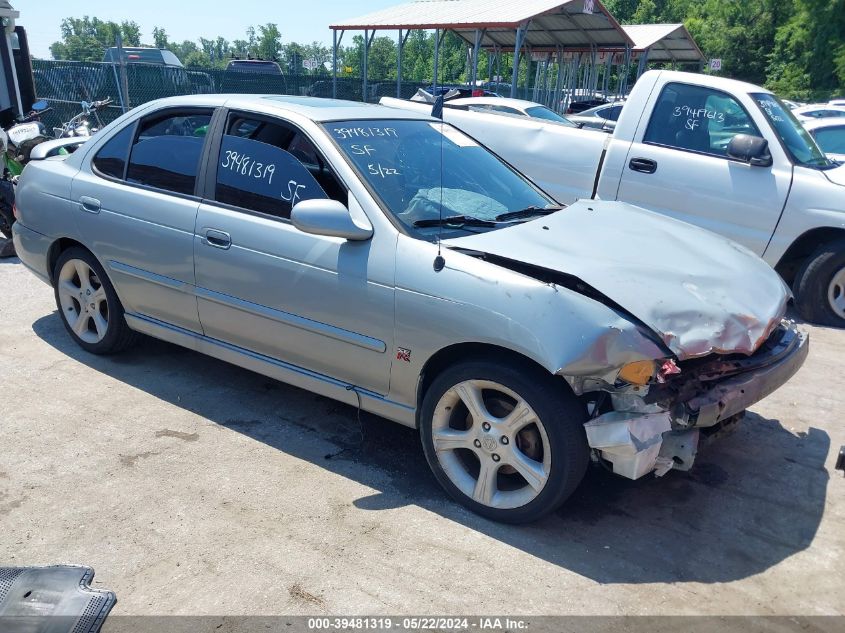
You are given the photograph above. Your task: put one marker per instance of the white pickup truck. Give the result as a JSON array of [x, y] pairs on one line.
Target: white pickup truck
[[722, 154]]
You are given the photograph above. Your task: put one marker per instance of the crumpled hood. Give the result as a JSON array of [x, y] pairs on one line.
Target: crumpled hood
[[836, 175], [700, 292]]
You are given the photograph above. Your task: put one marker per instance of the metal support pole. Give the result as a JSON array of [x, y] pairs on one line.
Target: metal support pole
[[478, 35], [520, 34], [576, 65], [643, 65], [555, 105], [546, 79], [364, 67], [626, 71], [399, 46], [368, 40], [334, 64], [436, 58]]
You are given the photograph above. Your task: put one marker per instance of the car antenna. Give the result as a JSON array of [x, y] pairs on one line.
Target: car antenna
[[437, 113]]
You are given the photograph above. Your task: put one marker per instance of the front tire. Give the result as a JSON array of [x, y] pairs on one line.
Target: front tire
[[820, 286], [88, 304], [506, 441]]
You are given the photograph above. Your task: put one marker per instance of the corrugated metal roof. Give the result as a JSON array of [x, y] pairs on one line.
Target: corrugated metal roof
[[552, 22], [665, 42]]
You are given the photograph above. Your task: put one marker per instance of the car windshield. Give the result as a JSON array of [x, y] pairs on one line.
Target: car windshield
[[542, 112], [414, 169], [794, 137]]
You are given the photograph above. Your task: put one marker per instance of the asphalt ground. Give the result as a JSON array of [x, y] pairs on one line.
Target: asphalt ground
[[194, 487]]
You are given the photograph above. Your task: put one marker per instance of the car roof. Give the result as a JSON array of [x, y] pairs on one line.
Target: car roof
[[817, 124], [819, 106], [314, 108], [520, 104]]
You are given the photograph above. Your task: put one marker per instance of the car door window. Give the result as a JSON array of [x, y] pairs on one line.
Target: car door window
[[697, 119], [268, 167], [831, 139], [614, 112], [505, 110], [111, 159], [167, 151]]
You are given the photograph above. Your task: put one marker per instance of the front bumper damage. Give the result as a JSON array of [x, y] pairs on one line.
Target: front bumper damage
[[659, 429]]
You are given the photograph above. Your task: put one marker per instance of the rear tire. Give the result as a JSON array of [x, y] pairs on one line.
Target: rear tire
[[820, 286], [7, 216], [517, 451], [88, 304]]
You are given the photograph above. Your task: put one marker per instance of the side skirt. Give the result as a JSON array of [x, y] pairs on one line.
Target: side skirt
[[279, 370]]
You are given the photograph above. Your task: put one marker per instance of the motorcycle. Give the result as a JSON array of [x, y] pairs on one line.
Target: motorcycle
[[80, 125], [18, 141]]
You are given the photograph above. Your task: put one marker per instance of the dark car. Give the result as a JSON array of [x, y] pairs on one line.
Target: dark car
[[143, 55], [263, 66], [253, 76]]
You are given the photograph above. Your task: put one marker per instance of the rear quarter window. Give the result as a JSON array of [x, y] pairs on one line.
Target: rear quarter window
[[111, 159]]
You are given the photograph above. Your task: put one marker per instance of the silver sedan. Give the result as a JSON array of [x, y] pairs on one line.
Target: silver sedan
[[387, 260]]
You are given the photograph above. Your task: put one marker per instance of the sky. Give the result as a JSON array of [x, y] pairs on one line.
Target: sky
[[298, 21]]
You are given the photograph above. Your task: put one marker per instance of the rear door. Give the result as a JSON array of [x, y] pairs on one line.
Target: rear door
[[136, 204], [321, 303], [678, 165]]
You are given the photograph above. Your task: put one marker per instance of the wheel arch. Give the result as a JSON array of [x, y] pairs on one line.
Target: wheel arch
[[804, 246], [469, 351], [58, 247]]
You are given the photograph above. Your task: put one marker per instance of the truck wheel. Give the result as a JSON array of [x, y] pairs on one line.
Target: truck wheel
[[505, 440], [820, 286], [88, 304]]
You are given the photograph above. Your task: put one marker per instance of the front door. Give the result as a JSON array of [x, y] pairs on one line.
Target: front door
[[321, 303], [678, 165]]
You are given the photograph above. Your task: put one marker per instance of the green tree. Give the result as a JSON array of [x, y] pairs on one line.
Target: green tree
[[160, 38], [808, 59], [86, 38], [269, 42]]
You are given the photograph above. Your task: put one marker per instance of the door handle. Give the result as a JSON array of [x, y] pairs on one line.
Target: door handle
[[91, 205], [643, 165], [217, 239]]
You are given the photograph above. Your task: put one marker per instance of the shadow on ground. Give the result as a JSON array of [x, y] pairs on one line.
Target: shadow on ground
[[754, 498]]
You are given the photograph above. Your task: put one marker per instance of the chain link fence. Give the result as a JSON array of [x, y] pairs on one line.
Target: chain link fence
[[64, 84]]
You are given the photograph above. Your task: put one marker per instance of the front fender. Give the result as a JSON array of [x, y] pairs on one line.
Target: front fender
[[474, 301]]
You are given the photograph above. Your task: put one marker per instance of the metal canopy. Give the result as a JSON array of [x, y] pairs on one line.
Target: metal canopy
[[551, 24], [664, 42]]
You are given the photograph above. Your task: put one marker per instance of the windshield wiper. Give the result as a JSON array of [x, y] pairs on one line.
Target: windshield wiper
[[454, 220], [527, 212]]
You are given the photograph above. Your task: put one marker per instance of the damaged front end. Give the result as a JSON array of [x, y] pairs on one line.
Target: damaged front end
[[657, 426]]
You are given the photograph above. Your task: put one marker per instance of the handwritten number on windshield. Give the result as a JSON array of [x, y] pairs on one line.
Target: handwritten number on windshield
[[378, 170]]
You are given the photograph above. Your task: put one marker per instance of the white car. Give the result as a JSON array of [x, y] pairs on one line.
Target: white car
[[502, 105], [819, 111], [830, 136]]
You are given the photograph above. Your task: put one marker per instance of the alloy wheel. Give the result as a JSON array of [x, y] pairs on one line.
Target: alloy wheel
[[491, 444], [83, 301]]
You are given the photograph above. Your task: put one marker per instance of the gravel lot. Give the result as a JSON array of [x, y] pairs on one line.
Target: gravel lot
[[196, 487]]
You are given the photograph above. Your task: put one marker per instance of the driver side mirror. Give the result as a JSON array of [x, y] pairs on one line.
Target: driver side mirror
[[323, 216], [753, 150]]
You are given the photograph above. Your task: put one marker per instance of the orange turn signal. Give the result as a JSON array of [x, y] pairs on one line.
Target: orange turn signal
[[639, 372]]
